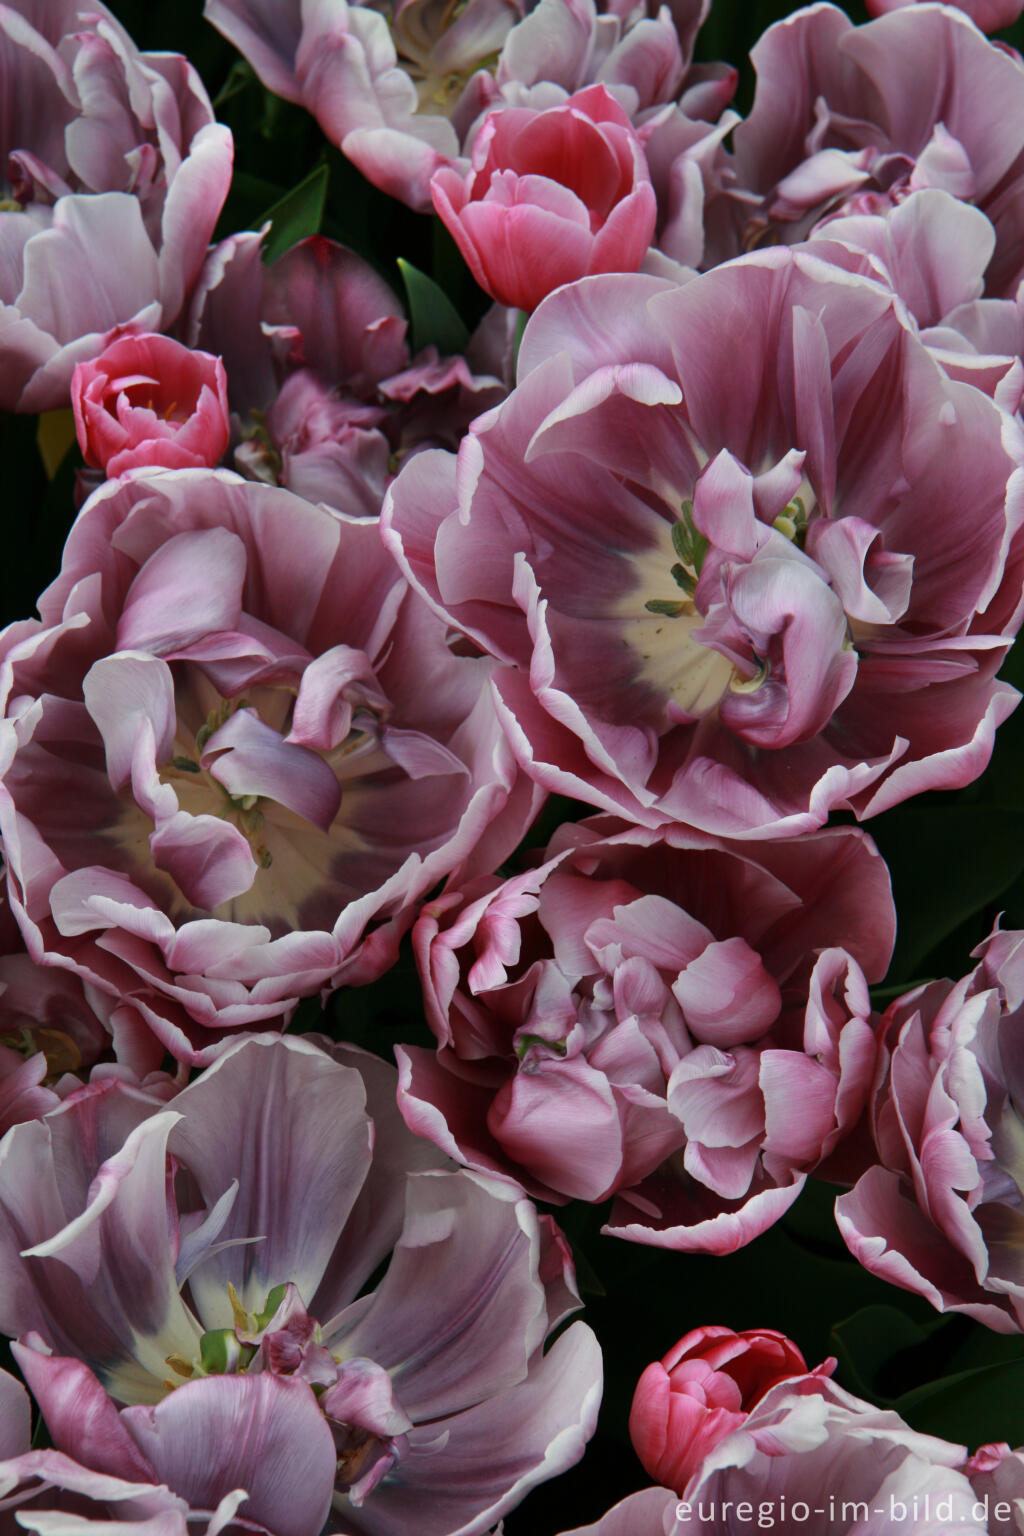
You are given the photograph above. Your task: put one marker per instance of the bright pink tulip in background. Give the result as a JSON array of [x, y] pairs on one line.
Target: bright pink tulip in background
[[702, 1390]]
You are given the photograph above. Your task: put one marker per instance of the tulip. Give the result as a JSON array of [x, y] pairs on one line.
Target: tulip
[[551, 196], [701, 1391], [725, 587], [149, 401], [114, 177]]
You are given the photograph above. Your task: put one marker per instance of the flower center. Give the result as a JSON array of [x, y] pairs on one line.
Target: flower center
[[231, 760], [355, 1395]]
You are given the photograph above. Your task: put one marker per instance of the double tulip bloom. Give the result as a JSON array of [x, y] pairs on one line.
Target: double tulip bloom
[[934, 1212], [839, 123], [668, 1020], [745, 555], [226, 683], [197, 1277], [114, 176]]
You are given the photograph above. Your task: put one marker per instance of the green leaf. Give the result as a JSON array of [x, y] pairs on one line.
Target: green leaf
[[240, 76], [972, 1407], [295, 216], [433, 319], [868, 1342]]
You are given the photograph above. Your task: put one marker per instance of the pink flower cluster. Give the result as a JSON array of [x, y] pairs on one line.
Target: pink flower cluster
[[795, 1446]]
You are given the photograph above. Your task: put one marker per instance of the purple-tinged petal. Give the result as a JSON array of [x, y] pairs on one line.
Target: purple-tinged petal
[[82, 1420], [289, 1125], [495, 1452], [248, 757], [209, 860], [271, 1439], [473, 1241], [123, 694], [170, 606], [109, 1271]]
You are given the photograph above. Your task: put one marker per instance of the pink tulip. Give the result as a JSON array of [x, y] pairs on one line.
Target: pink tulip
[[666, 1019], [288, 641], [149, 401], [551, 196], [846, 116], [701, 1391]]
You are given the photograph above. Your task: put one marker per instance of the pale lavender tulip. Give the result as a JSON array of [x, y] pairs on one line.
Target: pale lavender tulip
[[229, 686], [847, 114], [156, 1322], [813, 1457], [668, 1021], [732, 597], [115, 173], [940, 1210], [327, 398], [403, 96]]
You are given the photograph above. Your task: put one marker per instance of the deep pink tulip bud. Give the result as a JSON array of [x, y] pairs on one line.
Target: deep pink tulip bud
[[149, 401], [701, 1391], [551, 196]]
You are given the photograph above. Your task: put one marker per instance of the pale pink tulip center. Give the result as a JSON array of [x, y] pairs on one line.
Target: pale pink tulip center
[[665, 632], [293, 856], [365, 1418]]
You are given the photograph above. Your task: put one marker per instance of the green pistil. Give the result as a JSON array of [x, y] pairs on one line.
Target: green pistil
[[523, 1044], [221, 1351], [221, 1354], [10, 205], [273, 1301], [691, 547]]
